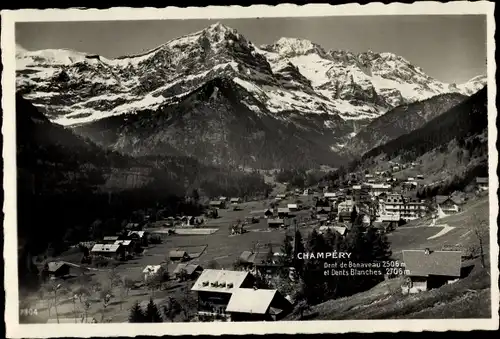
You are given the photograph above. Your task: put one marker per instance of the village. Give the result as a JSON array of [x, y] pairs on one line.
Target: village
[[218, 266]]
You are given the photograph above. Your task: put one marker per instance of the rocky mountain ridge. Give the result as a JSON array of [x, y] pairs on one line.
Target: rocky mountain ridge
[[289, 75]]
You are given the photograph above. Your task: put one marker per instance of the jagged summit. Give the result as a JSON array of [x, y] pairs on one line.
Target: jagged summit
[[292, 74], [289, 47]]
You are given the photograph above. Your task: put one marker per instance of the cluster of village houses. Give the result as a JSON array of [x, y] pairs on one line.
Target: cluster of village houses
[[232, 295], [380, 201]]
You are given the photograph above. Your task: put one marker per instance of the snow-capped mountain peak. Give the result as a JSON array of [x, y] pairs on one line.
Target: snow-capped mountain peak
[[290, 75], [290, 47], [473, 85]]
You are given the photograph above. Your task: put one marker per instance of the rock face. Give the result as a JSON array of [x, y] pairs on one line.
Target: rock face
[[215, 125], [322, 97]]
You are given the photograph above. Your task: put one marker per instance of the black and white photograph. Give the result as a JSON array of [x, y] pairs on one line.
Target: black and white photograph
[[306, 168]]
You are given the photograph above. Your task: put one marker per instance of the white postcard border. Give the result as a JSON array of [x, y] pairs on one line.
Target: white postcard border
[[14, 329]]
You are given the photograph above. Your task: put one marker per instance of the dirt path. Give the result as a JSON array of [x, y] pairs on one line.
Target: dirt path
[[445, 230]]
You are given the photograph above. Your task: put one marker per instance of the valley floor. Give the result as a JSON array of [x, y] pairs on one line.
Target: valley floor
[[469, 297]]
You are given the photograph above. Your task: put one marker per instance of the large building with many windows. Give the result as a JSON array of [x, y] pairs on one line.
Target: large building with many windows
[[407, 208]]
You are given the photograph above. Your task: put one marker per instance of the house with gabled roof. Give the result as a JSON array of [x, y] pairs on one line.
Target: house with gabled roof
[[136, 234], [107, 250], [187, 271], [268, 213], [252, 304], [110, 239], [215, 288], [128, 245], [339, 229], [58, 268], [449, 204], [235, 201], [178, 255], [150, 271], [430, 269], [275, 222], [283, 212], [217, 204], [482, 183]]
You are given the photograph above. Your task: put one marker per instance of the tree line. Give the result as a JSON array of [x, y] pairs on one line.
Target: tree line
[[311, 285]]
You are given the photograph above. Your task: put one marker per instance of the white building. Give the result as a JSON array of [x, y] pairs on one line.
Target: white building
[[407, 208], [150, 270]]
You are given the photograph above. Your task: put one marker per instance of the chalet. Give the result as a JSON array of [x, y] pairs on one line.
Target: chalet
[[128, 245], [431, 269], [275, 223], [140, 237], [448, 204], [251, 304], [283, 212], [268, 213], [482, 183], [188, 220], [137, 234], [323, 210], [395, 168], [107, 250], [217, 204], [378, 189], [346, 205], [150, 271], [187, 271], [420, 177], [235, 201], [58, 269], [280, 196], [330, 195], [265, 265], [368, 176], [246, 259], [215, 288], [223, 199], [339, 229], [306, 192], [177, 255], [410, 179], [344, 216], [293, 207], [110, 239]]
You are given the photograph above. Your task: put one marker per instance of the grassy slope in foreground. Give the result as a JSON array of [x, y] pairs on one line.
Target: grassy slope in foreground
[[468, 298]]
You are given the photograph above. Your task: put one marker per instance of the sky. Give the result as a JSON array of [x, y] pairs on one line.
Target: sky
[[450, 48]]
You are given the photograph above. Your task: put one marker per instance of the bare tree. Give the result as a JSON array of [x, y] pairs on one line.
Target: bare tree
[[479, 227], [86, 307], [106, 298], [56, 291], [73, 300], [127, 284], [114, 279], [44, 295]]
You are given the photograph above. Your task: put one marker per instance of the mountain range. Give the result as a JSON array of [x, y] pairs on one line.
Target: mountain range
[[451, 150], [215, 96]]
